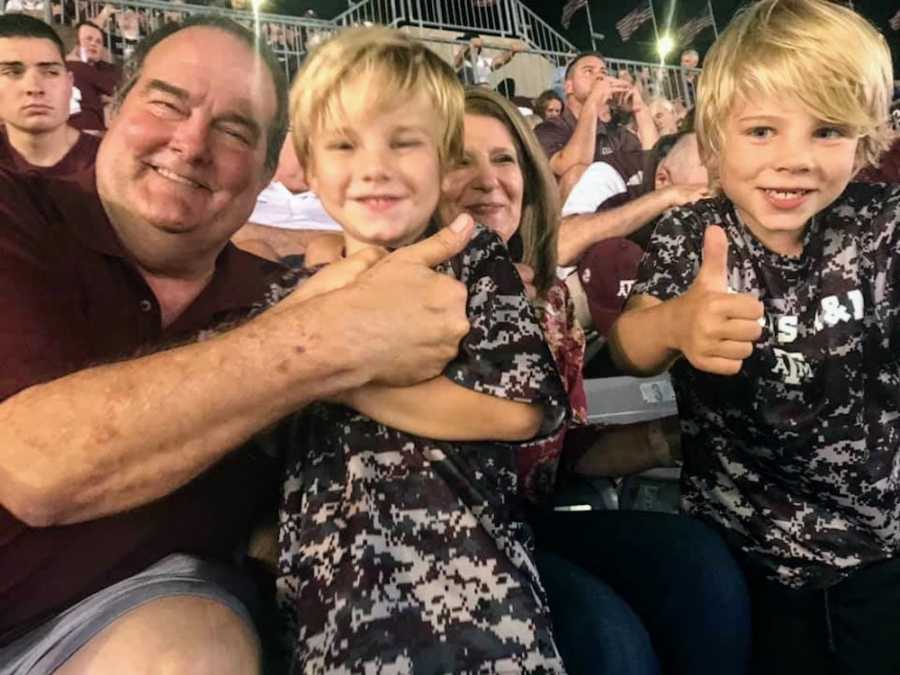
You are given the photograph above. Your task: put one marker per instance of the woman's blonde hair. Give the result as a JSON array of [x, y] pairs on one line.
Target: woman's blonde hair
[[539, 223], [828, 56], [392, 67]]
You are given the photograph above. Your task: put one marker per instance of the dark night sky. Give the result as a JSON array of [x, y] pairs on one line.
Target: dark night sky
[[605, 13]]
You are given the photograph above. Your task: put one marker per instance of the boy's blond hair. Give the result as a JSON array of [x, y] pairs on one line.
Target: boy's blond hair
[[393, 67], [828, 56]]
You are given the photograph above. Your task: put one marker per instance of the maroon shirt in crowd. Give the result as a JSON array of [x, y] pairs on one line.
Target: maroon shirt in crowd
[[614, 145], [70, 298], [80, 156], [93, 80]]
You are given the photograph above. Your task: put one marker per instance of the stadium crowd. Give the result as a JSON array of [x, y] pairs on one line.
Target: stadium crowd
[[294, 372]]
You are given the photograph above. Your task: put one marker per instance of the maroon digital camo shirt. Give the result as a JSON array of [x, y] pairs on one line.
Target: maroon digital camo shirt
[[69, 298], [80, 156]]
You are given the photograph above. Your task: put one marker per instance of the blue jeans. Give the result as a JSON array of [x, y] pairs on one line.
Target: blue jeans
[[641, 593]]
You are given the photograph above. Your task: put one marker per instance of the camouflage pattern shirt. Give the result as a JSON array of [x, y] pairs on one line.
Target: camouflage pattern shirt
[[401, 554], [796, 457]]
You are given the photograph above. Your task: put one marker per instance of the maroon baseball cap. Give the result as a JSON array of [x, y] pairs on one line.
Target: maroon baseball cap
[[607, 271]]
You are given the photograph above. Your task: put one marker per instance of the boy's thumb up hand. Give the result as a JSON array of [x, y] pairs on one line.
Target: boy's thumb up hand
[[713, 274], [714, 328]]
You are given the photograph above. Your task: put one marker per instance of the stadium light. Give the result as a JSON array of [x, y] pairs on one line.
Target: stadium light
[[665, 45]]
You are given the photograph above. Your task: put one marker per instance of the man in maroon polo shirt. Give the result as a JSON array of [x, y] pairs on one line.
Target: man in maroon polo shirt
[[35, 89], [584, 133], [95, 79], [126, 481]]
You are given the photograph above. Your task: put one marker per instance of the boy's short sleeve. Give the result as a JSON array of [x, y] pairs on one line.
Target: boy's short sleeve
[[672, 257], [504, 353]]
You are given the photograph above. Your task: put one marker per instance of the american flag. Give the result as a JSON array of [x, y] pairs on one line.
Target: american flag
[[569, 10], [633, 20], [895, 21], [693, 27]]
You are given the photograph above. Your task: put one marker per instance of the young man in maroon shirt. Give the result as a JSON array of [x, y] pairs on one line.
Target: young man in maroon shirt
[[127, 485], [35, 89]]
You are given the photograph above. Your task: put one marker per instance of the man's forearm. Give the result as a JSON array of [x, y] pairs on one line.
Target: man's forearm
[[284, 241], [459, 57], [580, 148], [502, 59], [579, 232], [646, 129], [117, 436]]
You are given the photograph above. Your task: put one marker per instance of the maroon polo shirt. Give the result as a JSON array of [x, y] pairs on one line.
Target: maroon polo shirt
[[614, 145], [93, 80], [80, 156], [70, 298]]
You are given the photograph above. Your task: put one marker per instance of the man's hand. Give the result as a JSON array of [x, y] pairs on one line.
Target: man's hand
[[604, 88], [334, 276], [713, 328], [408, 319], [631, 99], [687, 193]]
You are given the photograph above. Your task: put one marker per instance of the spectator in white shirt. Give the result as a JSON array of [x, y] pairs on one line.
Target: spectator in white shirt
[[287, 216]]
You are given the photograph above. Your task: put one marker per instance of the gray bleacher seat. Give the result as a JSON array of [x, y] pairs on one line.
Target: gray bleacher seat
[[626, 400]]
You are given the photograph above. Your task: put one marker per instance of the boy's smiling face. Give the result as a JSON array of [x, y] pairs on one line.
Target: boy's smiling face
[[780, 165], [378, 172]]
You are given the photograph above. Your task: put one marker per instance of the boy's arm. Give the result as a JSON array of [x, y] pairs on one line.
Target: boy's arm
[[502, 386], [712, 327], [445, 411], [639, 341]]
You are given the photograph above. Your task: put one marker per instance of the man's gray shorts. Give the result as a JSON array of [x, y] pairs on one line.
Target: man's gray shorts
[[48, 646]]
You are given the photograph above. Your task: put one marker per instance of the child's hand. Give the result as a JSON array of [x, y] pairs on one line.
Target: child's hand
[[712, 327]]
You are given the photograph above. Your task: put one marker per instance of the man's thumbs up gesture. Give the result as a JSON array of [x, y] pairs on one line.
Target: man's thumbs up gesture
[[714, 328]]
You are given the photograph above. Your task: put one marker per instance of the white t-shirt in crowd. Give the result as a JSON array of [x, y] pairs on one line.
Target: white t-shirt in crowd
[[277, 206], [598, 183], [480, 69]]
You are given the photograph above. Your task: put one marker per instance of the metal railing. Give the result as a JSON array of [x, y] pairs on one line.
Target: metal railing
[[672, 82], [438, 23], [504, 18]]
